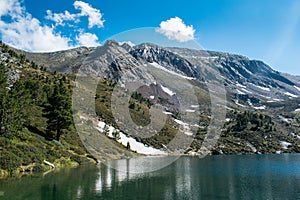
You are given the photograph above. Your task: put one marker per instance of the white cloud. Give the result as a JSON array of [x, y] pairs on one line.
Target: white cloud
[[10, 6], [176, 29], [26, 32], [87, 39], [94, 15], [59, 18]]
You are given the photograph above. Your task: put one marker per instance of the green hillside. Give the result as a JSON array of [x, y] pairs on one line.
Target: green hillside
[[36, 118]]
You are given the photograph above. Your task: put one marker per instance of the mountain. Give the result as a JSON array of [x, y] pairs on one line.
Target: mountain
[[36, 128], [241, 74], [158, 100]]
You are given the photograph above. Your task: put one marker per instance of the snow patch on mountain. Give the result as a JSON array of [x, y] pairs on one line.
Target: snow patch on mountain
[[298, 88], [290, 94], [240, 92], [138, 146], [190, 110], [259, 107], [246, 91], [240, 86], [158, 66], [262, 107], [275, 100], [167, 113], [249, 102], [228, 108], [185, 126], [236, 101], [260, 87], [167, 90], [236, 71], [101, 126]]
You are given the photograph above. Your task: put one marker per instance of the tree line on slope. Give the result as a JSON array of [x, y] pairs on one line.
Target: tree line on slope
[[16, 101], [35, 115]]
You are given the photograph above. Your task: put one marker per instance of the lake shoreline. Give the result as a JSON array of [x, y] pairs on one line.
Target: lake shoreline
[[270, 176], [4, 174]]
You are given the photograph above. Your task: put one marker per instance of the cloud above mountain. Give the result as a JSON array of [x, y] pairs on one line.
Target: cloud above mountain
[[61, 18], [87, 39], [95, 17], [24, 31], [176, 29]]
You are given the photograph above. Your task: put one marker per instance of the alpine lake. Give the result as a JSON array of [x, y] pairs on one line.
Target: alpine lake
[[212, 177]]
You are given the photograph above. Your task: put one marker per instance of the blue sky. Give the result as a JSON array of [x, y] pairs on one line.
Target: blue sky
[[267, 30]]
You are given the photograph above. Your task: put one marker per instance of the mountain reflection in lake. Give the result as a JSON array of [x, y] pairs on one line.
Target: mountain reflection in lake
[[214, 177]]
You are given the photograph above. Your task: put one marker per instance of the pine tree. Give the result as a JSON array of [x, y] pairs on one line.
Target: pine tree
[[3, 100], [58, 110], [10, 107], [23, 102]]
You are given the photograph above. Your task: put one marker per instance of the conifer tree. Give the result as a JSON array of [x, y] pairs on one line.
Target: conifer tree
[[10, 107], [58, 110], [3, 100]]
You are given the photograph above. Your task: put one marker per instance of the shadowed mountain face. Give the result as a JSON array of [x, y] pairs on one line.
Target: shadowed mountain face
[[251, 87]]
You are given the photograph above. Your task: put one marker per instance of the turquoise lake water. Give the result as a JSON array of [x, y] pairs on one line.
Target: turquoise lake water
[[213, 177]]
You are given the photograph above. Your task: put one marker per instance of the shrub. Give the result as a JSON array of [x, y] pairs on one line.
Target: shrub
[[9, 161]]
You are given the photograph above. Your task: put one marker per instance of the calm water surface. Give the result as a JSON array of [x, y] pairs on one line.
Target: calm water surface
[[214, 177]]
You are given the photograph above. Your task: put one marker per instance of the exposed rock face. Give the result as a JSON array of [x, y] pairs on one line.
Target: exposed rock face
[[112, 60], [163, 73]]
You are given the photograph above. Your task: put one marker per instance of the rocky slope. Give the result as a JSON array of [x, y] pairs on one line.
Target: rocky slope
[[261, 106], [26, 145]]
